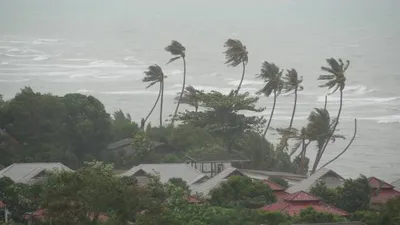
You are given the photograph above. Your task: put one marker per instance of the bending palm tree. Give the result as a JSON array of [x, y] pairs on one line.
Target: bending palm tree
[[177, 50], [292, 83], [336, 80], [271, 74], [236, 54], [191, 97], [155, 75]]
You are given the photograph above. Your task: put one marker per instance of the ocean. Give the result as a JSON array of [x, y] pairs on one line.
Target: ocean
[[101, 48]]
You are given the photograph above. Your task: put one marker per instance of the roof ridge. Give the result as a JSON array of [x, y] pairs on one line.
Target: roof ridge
[[380, 180], [332, 206]]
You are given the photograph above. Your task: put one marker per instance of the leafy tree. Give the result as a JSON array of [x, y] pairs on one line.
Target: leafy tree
[[235, 54], [391, 212], [178, 182], [178, 51], [221, 117], [367, 217], [330, 196], [242, 191], [354, 195], [282, 182], [335, 80], [191, 96], [87, 124], [122, 126], [272, 76], [311, 216], [155, 75]]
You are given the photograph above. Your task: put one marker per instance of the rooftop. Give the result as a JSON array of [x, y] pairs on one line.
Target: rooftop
[[25, 172], [167, 171]]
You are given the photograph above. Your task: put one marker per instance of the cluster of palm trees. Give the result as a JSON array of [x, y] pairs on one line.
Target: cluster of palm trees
[[320, 128]]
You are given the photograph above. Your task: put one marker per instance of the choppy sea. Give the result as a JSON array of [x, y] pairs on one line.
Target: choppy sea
[[101, 48]]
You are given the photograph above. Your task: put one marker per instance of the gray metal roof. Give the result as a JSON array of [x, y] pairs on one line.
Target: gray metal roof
[[25, 172], [167, 171], [120, 143], [264, 173], [396, 184], [205, 188], [306, 184]]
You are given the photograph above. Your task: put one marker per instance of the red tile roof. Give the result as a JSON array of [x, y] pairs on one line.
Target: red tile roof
[[377, 183], [292, 204], [2, 205], [274, 186], [382, 191]]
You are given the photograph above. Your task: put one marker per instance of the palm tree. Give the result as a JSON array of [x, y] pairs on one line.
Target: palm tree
[[272, 76], [320, 128], [292, 83], [154, 75], [236, 54], [178, 51], [335, 80], [191, 96]]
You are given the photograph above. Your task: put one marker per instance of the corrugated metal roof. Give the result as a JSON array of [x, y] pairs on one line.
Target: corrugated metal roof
[[306, 184], [167, 171], [25, 172], [206, 187], [396, 184], [274, 186]]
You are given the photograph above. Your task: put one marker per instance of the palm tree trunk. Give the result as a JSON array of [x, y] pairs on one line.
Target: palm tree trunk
[[319, 156], [272, 113], [162, 100], [294, 110], [152, 109], [183, 89], [241, 81]]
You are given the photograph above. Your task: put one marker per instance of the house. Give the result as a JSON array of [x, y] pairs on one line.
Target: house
[[396, 184], [292, 204], [291, 178], [165, 171], [29, 173], [278, 190], [125, 147], [214, 162], [206, 187], [330, 177], [335, 223], [381, 191]]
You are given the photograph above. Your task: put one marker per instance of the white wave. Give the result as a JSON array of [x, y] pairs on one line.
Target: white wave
[[174, 72], [384, 119], [14, 81], [4, 63], [107, 63], [83, 91], [108, 77], [137, 92], [19, 56], [41, 58], [23, 51], [44, 41], [245, 82], [371, 100], [358, 89], [130, 58], [79, 60]]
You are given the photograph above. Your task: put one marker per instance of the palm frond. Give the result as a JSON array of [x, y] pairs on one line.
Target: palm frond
[[173, 59], [154, 74], [236, 53], [176, 48]]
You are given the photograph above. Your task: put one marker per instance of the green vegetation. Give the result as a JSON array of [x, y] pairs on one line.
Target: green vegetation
[[75, 129]]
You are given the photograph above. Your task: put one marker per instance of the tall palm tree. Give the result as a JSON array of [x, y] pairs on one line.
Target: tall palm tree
[[272, 76], [155, 75], [320, 128], [235, 54], [335, 80], [292, 82], [178, 51], [191, 96]]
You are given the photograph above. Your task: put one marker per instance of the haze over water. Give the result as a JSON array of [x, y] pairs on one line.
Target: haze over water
[[101, 48]]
